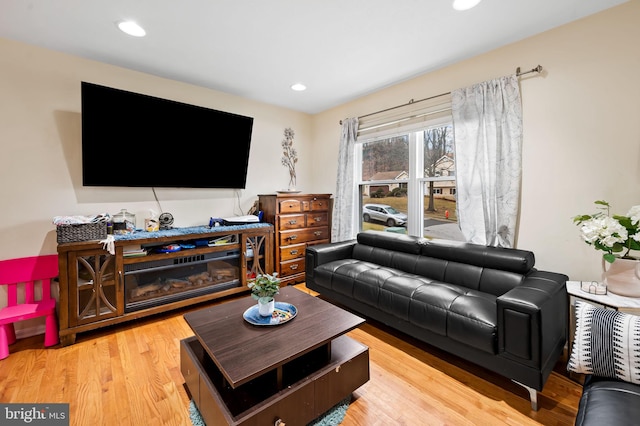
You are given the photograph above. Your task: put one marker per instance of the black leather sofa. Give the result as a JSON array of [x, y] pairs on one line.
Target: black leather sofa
[[608, 401], [487, 305]]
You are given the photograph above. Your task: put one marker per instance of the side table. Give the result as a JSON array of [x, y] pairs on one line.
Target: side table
[[609, 300]]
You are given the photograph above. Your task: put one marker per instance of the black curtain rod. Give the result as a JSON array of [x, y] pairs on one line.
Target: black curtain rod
[[518, 74]]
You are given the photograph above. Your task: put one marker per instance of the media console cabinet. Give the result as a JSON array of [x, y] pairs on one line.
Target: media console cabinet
[[153, 272]]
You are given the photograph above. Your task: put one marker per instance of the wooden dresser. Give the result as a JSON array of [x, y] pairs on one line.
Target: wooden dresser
[[299, 220]]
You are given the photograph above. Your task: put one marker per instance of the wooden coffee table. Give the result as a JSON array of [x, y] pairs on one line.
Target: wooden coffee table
[[243, 374]]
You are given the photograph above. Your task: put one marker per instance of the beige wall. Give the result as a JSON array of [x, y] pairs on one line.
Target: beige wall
[[581, 143], [40, 167], [581, 128]]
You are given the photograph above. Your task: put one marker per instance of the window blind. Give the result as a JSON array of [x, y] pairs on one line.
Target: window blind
[[413, 115]]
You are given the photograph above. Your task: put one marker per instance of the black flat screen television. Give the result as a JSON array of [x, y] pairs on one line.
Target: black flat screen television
[[135, 140]]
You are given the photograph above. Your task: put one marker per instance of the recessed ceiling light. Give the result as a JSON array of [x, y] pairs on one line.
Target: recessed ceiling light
[[465, 4], [131, 28], [298, 87]]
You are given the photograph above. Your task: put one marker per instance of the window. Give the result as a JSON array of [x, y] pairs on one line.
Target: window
[[410, 176]]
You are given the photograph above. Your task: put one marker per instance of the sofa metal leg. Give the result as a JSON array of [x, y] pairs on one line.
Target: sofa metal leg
[[533, 395]]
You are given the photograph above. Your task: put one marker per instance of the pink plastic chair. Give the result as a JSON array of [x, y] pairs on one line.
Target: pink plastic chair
[[23, 274]]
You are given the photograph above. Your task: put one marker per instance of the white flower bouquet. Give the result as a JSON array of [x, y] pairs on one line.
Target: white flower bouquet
[[611, 234]]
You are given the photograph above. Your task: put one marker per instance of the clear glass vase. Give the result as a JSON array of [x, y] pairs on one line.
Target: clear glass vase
[[292, 182], [124, 222]]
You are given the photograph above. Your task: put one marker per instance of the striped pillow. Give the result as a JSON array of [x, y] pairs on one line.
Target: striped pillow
[[607, 343]]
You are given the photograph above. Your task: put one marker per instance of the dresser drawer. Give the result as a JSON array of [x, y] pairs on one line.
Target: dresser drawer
[[292, 267], [318, 219], [303, 205], [292, 221], [303, 235], [290, 206], [319, 204], [292, 252]]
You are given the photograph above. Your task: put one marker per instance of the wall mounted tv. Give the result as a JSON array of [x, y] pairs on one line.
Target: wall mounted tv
[[135, 140]]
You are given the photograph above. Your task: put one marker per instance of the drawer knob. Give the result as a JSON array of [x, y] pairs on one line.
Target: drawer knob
[[317, 233], [293, 267], [317, 219], [293, 237], [279, 422], [293, 252], [293, 222]]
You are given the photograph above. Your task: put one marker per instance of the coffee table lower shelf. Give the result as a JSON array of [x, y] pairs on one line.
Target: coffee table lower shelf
[[311, 385]]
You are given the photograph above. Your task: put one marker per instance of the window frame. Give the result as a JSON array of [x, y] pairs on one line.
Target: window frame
[[416, 182]]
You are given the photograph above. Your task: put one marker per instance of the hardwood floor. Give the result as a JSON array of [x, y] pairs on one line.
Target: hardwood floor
[[130, 375]]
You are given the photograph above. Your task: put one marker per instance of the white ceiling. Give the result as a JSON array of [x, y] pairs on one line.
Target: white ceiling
[[341, 49]]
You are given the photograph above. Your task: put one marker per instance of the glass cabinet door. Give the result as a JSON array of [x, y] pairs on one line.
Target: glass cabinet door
[[93, 286], [254, 249]]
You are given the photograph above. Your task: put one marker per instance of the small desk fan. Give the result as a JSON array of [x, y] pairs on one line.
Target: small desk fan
[[166, 220]]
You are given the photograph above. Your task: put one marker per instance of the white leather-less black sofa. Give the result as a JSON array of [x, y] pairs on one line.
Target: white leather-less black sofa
[[487, 305]]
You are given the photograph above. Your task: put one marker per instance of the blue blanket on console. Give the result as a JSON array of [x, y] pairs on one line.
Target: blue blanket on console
[[176, 232]]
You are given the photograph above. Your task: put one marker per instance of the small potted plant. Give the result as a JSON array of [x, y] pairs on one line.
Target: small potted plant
[[263, 288]]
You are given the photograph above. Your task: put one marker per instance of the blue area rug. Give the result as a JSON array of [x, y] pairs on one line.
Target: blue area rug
[[332, 417], [194, 414]]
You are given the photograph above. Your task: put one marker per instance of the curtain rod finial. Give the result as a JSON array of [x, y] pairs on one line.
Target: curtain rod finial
[[536, 69]]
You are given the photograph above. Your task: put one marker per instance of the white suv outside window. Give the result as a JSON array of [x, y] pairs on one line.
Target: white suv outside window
[[383, 213]]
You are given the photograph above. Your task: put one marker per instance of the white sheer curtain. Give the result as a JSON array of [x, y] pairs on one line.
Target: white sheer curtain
[[344, 226], [487, 120]]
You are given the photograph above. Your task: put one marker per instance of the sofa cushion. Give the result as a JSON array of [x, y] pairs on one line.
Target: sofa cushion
[[473, 321], [430, 304], [397, 292], [384, 257], [493, 281], [462, 314], [394, 242], [366, 286], [339, 275], [606, 344], [504, 259]]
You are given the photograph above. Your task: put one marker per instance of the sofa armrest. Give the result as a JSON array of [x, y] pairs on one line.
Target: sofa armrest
[[533, 319], [319, 254]]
